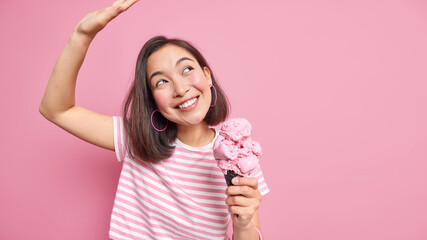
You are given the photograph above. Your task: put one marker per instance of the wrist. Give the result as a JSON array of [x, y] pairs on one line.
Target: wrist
[[81, 37], [247, 232], [79, 42], [243, 228]]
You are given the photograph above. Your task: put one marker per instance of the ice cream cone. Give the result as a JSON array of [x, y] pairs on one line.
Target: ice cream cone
[[229, 176], [235, 151]]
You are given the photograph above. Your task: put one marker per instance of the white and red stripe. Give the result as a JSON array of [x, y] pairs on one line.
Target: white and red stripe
[[181, 197]]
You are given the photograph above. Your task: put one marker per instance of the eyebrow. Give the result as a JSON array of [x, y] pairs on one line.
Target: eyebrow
[[176, 64], [183, 59]]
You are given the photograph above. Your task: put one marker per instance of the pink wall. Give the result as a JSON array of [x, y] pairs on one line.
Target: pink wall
[[336, 92]]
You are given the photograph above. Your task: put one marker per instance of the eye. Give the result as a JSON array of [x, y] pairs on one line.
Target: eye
[[161, 82], [187, 69]]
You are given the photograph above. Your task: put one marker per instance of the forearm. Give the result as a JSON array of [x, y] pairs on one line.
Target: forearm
[[60, 91]]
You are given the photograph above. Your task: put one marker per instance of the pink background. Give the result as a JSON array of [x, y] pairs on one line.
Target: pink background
[[335, 90]]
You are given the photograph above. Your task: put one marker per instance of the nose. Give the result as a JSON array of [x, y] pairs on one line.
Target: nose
[[180, 88]]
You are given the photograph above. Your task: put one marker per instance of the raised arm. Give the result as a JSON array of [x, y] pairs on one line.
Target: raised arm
[[58, 103]]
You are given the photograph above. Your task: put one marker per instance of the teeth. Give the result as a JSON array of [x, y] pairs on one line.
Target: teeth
[[188, 103]]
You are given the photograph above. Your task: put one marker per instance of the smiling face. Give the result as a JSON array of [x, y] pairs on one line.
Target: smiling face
[[179, 85]]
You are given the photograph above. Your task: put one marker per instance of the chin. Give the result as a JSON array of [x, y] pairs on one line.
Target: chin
[[194, 120]]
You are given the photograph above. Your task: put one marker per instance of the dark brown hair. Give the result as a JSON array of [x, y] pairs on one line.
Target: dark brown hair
[[144, 142]]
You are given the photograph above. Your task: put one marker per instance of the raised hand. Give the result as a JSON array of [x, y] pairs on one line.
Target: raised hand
[[243, 200], [58, 103], [95, 21]]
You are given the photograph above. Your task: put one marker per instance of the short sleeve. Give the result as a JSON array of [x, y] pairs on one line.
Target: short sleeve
[[262, 184], [119, 138]]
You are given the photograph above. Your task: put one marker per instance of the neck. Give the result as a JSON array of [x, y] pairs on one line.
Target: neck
[[198, 135]]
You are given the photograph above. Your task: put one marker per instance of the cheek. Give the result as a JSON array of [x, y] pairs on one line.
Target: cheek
[[199, 81], [162, 101]]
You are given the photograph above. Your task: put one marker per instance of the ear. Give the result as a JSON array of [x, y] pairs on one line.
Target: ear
[[208, 74]]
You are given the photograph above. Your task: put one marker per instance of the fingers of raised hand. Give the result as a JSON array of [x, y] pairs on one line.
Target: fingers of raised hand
[[95, 21], [118, 7], [121, 5]]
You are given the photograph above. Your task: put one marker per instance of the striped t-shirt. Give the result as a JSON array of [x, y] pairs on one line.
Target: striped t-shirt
[[182, 197]]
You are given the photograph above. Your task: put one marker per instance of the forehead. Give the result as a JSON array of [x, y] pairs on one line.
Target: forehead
[[166, 57]]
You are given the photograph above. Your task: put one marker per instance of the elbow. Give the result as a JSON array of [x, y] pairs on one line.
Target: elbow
[[46, 112], [43, 111], [50, 113]]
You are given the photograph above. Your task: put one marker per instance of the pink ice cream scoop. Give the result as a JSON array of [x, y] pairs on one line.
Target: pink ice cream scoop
[[236, 153]]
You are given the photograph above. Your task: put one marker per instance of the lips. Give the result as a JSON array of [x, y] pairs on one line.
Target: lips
[[187, 103]]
